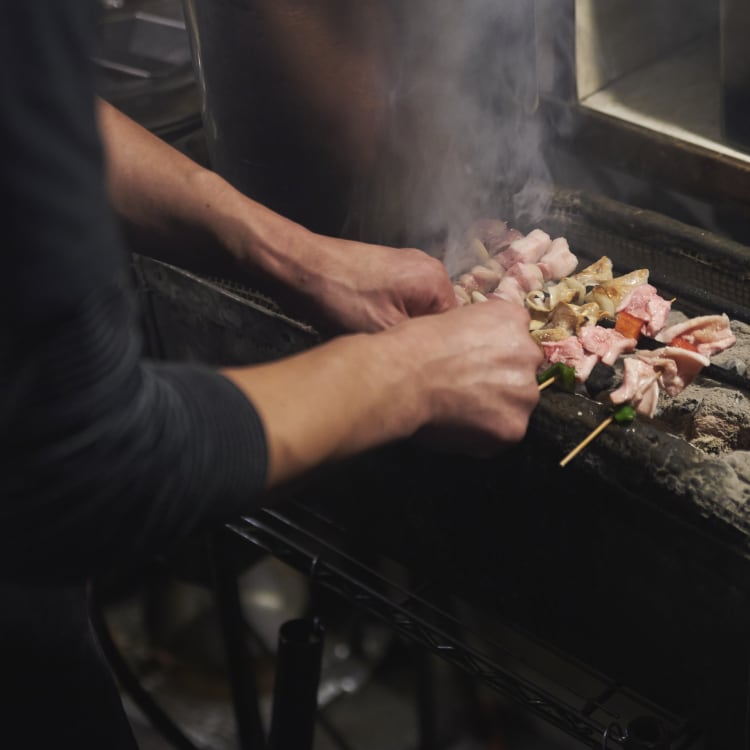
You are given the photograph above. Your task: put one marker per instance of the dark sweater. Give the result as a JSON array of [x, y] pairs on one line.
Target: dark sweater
[[103, 457]]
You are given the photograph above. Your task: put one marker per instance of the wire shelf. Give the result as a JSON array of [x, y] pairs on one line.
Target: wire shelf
[[418, 612]]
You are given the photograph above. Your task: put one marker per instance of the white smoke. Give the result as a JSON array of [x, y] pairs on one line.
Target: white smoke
[[462, 137]]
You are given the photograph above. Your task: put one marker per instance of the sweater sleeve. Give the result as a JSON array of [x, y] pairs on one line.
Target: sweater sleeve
[[103, 456]]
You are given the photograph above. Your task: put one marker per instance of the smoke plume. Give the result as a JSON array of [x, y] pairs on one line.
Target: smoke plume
[[461, 138]]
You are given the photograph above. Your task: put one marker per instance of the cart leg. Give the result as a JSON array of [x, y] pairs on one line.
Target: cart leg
[[240, 666], [426, 708], [295, 700]]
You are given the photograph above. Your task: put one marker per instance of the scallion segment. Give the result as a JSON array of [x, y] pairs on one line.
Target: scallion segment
[[564, 376]]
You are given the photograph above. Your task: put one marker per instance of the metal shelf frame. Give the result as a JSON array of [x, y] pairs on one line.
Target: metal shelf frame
[[408, 610]]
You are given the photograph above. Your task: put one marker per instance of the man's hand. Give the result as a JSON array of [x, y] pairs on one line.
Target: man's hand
[[468, 376], [468, 373], [478, 364], [351, 286], [187, 215]]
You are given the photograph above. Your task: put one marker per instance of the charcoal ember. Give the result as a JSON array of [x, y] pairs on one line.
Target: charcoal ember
[[602, 378], [714, 420]]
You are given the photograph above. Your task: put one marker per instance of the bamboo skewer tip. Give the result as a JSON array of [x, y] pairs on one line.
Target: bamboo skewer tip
[[547, 383], [603, 426]]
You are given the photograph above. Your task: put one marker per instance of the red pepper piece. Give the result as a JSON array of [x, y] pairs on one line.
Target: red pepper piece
[[683, 343], [628, 325]]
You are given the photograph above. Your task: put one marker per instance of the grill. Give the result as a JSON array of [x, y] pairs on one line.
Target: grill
[[611, 598]]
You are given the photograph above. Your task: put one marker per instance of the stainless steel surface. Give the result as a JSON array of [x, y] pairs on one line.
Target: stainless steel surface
[[735, 70], [383, 119], [143, 65]]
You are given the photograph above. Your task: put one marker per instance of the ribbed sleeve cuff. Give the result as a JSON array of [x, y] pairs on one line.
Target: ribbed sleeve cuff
[[228, 453]]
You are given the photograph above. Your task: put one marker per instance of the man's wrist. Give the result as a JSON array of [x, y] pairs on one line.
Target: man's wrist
[[260, 239], [397, 354]]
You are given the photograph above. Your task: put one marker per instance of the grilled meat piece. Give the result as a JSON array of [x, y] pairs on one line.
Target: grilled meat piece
[[597, 273], [639, 387], [510, 290], [610, 294], [678, 367], [710, 334], [558, 261], [486, 278], [494, 234], [570, 352], [606, 343], [528, 249], [528, 275], [644, 303]]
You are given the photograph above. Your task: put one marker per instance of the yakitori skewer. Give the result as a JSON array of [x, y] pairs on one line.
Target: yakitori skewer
[[623, 415], [559, 373]]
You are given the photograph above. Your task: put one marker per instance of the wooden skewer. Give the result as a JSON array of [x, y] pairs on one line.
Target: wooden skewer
[[598, 431], [547, 383]]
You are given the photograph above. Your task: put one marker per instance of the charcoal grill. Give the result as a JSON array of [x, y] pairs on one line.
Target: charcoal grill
[[616, 589]]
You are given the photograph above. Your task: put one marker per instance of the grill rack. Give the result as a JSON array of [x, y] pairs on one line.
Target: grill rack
[[218, 322], [706, 272], [593, 720]]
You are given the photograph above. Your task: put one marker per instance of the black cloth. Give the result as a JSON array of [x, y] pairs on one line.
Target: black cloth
[[104, 458], [56, 690]]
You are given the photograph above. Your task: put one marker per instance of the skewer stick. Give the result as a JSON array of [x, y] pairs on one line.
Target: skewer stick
[[547, 383], [598, 431]]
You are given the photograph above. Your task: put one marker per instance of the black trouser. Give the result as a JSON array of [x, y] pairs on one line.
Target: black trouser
[[56, 690]]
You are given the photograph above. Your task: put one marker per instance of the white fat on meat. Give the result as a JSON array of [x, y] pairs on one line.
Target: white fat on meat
[[606, 343], [486, 278], [558, 261], [644, 303], [570, 352], [499, 247], [494, 234], [463, 298], [528, 275], [510, 290], [678, 367], [494, 265], [710, 334], [528, 249], [478, 250], [468, 283], [640, 387]]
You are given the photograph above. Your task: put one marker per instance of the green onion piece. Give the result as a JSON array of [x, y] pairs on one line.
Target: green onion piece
[[564, 375], [567, 380], [551, 372], [624, 414]]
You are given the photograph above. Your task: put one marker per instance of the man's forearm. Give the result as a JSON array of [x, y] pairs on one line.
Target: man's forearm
[[183, 212], [470, 372], [334, 401], [178, 211]]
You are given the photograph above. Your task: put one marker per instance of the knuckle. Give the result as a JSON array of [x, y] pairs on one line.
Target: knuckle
[[516, 431]]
